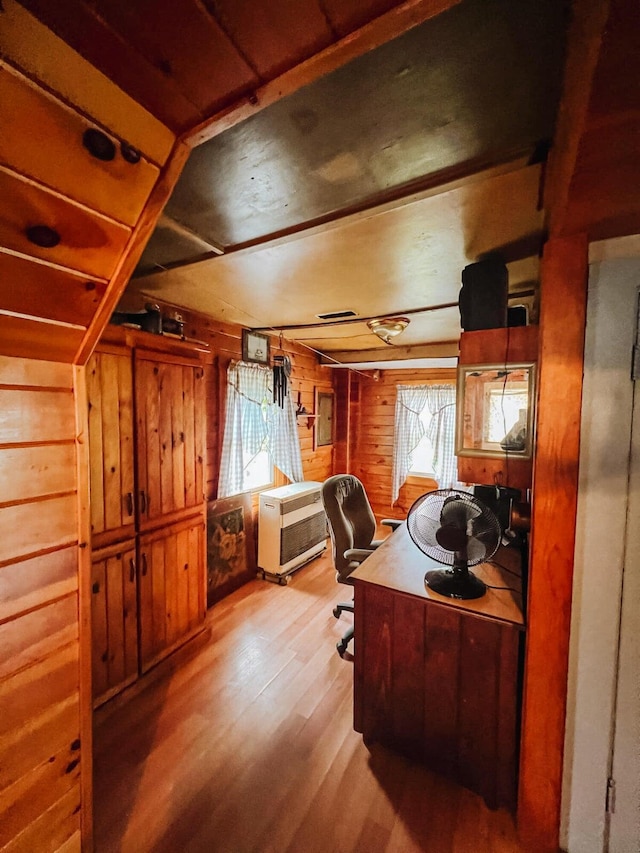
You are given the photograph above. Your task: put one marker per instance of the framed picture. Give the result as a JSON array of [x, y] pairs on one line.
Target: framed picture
[[231, 547], [324, 418], [255, 347]]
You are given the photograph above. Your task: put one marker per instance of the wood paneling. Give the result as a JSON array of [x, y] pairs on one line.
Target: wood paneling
[[435, 679], [39, 627], [555, 485], [32, 338], [40, 291], [114, 619], [277, 37], [59, 530], [169, 404], [35, 471], [372, 414], [110, 393], [206, 57], [114, 187], [225, 343], [171, 595], [88, 243], [27, 584], [29, 45]]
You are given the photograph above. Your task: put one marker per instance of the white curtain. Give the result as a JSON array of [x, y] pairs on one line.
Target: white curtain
[[253, 422], [409, 430]]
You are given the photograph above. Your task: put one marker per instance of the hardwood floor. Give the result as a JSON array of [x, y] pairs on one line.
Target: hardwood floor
[[248, 746]]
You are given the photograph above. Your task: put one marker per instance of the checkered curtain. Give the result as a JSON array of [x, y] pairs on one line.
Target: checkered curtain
[[441, 400], [254, 423], [284, 441], [408, 432]]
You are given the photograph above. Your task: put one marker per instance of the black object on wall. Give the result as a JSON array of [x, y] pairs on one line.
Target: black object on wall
[[517, 316], [483, 295]]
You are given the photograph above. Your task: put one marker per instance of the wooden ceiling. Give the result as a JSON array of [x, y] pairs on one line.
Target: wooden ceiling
[[186, 60], [465, 89], [212, 71]]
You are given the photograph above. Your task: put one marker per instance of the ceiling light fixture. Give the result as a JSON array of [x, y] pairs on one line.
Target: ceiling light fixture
[[388, 327]]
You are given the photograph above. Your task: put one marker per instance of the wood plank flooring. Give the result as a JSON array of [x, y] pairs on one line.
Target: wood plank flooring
[[248, 747]]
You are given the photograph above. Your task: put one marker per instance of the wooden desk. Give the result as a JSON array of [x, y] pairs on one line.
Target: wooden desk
[[436, 678]]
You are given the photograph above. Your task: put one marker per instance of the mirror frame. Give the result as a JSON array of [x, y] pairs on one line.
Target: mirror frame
[[463, 371]]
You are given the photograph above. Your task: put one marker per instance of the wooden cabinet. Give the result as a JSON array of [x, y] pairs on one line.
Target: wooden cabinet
[[114, 618], [170, 435], [436, 678], [111, 445], [172, 595], [146, 431]]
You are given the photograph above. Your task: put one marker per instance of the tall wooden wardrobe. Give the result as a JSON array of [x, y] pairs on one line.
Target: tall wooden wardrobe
[[148, 511]]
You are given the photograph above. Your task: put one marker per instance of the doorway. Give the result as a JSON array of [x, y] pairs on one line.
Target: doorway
[[605, 577]]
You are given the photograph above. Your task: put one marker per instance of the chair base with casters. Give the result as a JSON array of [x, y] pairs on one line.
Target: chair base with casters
[[338, 610], [352, 526]]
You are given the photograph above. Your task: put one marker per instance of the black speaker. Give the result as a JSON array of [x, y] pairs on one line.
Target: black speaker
[[483, 295]]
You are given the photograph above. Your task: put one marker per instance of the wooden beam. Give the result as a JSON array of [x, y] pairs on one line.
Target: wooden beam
[[386, 27], [444, 349], [130, 257], [583, 50], [555, 493]]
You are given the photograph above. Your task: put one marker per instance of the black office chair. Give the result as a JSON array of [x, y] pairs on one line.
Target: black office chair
[[352, 526]]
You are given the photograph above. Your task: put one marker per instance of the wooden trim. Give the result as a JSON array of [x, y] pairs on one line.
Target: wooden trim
[[386, 27], [84, 607], [555, 494], [131, 255], [589, 18]]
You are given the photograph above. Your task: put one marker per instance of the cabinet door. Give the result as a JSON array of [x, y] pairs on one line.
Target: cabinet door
[[170, 432], [110, 393], [114, 620], [172, 587]]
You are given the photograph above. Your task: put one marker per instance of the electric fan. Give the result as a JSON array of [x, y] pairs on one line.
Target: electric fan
[[456, 529]]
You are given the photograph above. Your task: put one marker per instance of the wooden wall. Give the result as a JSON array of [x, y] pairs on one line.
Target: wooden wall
[[308, 377], [371, 413], [42, 750]]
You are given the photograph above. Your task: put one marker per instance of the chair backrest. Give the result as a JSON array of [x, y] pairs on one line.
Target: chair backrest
[[352, 523]]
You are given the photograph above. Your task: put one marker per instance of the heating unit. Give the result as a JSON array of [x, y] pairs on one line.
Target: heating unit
[[292, 529]]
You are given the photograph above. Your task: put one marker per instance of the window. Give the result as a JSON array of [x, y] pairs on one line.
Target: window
[[258, 433], [424, 429], [422, 456], [505, 407]]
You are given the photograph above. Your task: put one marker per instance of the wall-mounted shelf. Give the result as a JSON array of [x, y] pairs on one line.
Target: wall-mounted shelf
[[301, 416]]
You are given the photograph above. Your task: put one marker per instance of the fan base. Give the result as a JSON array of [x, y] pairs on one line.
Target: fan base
[[455, 584]]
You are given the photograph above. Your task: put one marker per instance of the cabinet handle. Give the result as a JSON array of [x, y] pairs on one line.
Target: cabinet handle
[[144, 564], [143, 501], [129, 503], [132, 570]]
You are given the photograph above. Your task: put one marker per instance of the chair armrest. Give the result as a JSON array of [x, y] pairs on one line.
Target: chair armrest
[[357, 555], [393, 523]]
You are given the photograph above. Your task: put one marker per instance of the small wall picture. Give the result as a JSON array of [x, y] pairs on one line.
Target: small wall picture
[[255, 347], [324, 419]]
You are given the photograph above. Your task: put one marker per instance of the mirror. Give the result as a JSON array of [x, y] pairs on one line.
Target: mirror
[[494, 408]]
